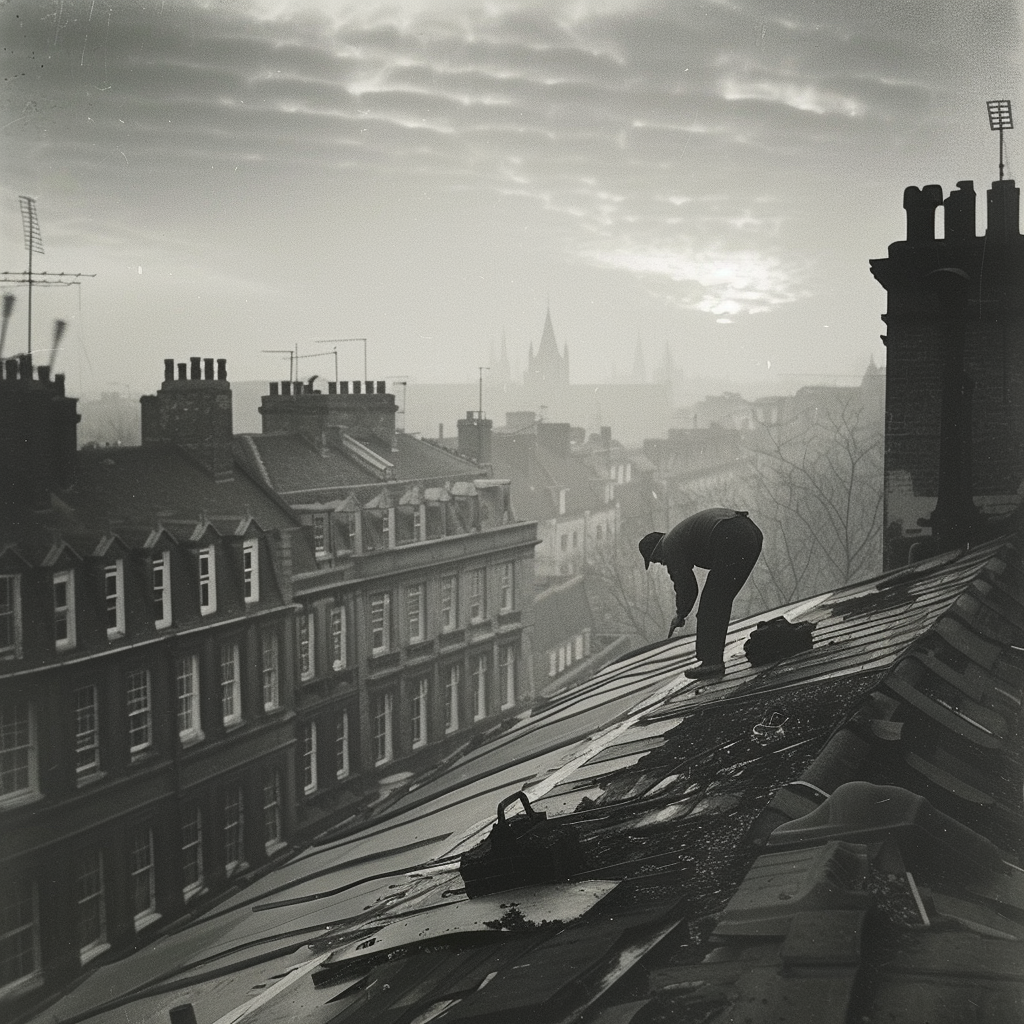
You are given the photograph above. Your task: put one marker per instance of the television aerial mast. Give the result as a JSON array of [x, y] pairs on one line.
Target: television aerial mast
[[1000, 119], [34, 244]]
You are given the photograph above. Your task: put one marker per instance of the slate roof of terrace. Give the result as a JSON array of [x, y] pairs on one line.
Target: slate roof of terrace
[[835, 837]]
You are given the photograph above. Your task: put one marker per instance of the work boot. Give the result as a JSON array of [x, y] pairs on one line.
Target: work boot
[[705, 670]]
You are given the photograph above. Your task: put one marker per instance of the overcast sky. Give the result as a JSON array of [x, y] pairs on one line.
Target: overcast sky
[[708, 174]]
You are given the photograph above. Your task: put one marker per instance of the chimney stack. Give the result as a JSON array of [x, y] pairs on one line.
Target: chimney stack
[[38, 434], [194, 413], [367, 417]]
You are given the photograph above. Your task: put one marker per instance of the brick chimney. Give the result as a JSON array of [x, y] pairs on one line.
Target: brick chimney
[[475, 438], [363, 410], [38, 433], [555, 437], [954, 394], [193, 411]]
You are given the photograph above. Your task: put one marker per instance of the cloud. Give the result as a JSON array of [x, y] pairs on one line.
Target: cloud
[[722, 283]]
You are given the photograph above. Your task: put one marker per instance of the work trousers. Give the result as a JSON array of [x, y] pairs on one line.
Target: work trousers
[[735, 546]]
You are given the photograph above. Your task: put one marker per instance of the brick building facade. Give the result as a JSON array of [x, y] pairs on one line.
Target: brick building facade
[[954, 458]]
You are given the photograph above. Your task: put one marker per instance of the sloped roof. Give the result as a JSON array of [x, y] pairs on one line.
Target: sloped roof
[[128, 492], [537, 480], [294, 466], [837, 836], [417, 459]]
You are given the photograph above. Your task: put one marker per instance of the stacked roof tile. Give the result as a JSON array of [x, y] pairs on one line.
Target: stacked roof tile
[[834, 837]]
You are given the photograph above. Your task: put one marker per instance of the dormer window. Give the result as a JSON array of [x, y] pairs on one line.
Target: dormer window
[[10, 616], [207, 581], [113, 576], [251, 571], [162, 590], [320, 533], [64, 631]]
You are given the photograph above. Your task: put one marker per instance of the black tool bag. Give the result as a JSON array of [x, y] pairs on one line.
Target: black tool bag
[[778, 638], [525, 850]]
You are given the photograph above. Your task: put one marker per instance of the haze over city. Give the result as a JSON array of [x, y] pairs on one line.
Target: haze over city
[[711, 176]]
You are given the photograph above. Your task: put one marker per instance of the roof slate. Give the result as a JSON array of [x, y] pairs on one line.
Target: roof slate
[[836, 836]]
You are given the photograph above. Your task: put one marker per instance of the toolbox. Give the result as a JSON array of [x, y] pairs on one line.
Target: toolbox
[[524, 850]]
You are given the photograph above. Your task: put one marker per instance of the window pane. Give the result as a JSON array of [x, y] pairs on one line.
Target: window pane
[[272, 810], [140, 715], [339, 654], [87, 741], [191, 848], [271, 690], [17, 754], [143, 881], [92, 911], [341, 752], [8, 612], [230, 684], [309, 766], [234, 846], [19, 931]]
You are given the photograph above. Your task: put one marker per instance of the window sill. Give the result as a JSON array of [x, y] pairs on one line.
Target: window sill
[[236, 867], [142, 754], [191, 739], [89, 778], [193, 892], [92, 951], [20, 799], [231, 724], [20, 987], [145, 919], [274, 847]]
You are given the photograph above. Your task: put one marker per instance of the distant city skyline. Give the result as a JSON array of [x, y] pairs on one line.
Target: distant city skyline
[[434, 175]]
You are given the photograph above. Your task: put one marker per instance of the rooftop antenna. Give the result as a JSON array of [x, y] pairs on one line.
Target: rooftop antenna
[[339, 341], [292, 359], [34, 243], [1000, 118]]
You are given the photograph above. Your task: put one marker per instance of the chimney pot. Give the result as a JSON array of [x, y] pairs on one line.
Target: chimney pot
[[222, 369], [342, 387], [182, 371], [286, 387], [369, 387], [382, 387], [332, 388], [357, 387], [207, 369], [44, 374], [11, 369], [194, 368], [25, 366], [274, 387], [58, 380], [168, 369]]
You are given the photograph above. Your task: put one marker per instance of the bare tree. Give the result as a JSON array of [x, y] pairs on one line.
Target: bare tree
[[812, 483], [816, 483]]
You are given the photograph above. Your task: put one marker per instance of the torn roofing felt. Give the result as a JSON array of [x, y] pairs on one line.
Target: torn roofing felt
[[834, 837]]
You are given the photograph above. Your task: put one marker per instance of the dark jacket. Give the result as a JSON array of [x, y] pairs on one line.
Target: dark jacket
[[688, 544]]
